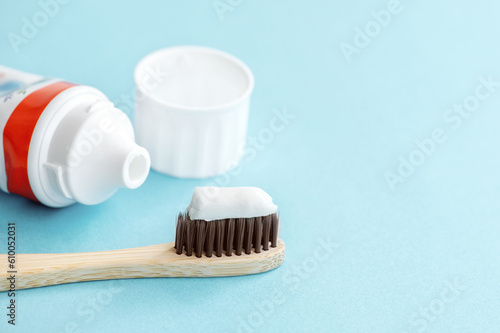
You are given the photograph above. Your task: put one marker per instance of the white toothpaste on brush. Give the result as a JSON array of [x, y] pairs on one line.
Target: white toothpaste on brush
[[216, 203]]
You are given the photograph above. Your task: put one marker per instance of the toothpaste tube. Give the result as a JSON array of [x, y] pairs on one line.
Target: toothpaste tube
[[62, 143]]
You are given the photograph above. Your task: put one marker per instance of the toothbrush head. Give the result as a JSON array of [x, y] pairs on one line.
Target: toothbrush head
[[229, 236]]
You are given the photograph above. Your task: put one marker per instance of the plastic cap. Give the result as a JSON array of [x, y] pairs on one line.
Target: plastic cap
[[192, 110], [104, 158]]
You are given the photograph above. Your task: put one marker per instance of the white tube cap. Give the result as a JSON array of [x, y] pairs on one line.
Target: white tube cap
[[192, 110], [112, 165], [93, 154], [104, 158]]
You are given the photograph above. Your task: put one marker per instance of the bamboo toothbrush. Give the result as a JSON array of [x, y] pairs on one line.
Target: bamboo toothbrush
[[236, 229]]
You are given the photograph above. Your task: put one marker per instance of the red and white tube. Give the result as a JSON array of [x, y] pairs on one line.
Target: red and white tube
[[63, 143]]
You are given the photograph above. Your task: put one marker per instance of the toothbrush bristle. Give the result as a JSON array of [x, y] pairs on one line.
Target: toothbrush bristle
[[228, 236]]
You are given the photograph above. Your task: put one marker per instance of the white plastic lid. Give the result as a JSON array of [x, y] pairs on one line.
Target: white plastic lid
[[192, 110], [85, 150], [113, 160]]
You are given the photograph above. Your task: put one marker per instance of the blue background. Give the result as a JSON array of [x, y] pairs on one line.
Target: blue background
[[396, 251]]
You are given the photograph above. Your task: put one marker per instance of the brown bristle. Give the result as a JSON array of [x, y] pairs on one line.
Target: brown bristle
[[219, 235], [189, 243], [257, 234], [179, 235], [266, 230], [239, 232], [200, 238], [248, 237], [209, 242], [274, 230], [231, 236]]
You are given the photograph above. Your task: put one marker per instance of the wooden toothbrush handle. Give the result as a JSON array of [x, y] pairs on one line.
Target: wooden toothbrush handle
[[38, 270]]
